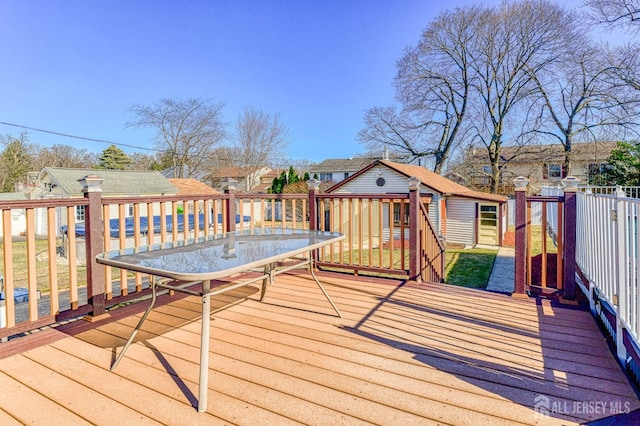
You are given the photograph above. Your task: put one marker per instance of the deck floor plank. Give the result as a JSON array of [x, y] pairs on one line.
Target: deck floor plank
[[401, 354]]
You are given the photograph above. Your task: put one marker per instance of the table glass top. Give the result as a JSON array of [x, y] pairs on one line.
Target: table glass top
[[216, 253]]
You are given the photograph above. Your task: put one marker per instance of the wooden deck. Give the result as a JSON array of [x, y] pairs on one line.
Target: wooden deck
[[429, 354]]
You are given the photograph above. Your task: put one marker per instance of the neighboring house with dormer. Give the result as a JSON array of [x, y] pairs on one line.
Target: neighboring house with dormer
[[338, 169], [54, 182], [459, 214], [247, 177], [541, 164]]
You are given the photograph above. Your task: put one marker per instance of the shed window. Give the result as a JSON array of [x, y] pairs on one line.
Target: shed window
[[398, 214]]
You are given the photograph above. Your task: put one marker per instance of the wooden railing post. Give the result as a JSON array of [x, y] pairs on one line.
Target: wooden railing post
[[414, 230], [94, 245], [570, 184], [229, 186], [520, 274], [314, 187]]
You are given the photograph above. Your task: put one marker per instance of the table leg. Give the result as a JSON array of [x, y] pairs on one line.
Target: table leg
[[268, 280], [135, 330], [203, 382], [313, 274]]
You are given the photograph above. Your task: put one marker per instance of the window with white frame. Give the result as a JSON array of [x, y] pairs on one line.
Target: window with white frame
[[80, 213], [552, 171]]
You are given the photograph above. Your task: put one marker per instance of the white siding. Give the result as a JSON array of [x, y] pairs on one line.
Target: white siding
[[366, 182], [434, 212], [461, 221], [395, 183]]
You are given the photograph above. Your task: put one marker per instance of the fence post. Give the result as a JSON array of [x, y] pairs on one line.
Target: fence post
[[229, 186], [94, 245], [622, 279], [520, 270], [314, 187], [570, 184], [414, 230]]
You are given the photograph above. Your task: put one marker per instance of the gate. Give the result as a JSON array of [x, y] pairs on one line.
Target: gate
[[546, 265]]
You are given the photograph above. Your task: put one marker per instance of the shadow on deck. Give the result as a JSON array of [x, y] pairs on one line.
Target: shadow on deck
[[402, 354]]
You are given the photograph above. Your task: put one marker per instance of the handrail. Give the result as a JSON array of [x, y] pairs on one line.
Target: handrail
[[41, 291]]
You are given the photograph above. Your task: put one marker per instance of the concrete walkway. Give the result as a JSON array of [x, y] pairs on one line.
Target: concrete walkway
[[501, 279]]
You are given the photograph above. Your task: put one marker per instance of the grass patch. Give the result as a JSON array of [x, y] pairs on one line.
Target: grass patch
[[41, 263], [469, 267]]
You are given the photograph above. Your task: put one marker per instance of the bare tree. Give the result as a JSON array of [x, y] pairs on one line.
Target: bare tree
[[259, 137], [512, 43], [433, 86], [187, 131], [624, 13], [60, 155], [16, 159], [582, 94], [141, 161]]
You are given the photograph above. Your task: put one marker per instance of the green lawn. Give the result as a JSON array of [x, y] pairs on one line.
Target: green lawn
[[469, 267], [20, 267]]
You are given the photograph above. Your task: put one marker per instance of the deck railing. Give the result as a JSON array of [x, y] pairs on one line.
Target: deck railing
[[607, 253], [608, 256], [50, 273]]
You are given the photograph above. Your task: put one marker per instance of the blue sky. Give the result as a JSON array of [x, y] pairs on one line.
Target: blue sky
[[76, 67]]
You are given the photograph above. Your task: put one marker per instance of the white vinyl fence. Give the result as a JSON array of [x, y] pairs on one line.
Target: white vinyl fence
[[607, 254]]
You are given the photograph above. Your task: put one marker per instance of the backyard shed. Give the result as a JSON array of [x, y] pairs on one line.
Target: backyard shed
[[459, 214]]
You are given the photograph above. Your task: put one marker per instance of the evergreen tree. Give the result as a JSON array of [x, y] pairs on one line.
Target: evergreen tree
[[113, 158], [624, 165], [292, 176]]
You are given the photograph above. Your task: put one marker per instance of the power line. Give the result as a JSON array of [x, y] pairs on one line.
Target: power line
[[66, 135]]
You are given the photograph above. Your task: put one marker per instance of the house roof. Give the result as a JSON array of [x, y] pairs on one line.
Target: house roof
[[585, 151], [428, 178], [234, 172], [267, 180], [188, 186], [116, 182], [340, 165], [169, 173]]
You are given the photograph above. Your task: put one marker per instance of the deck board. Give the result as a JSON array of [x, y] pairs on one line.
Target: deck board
[[401, 354]]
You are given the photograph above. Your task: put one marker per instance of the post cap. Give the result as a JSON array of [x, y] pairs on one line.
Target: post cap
[[229, 184], [414, 183], [314, 184], [91, 183], [570, 183], [521, 183]]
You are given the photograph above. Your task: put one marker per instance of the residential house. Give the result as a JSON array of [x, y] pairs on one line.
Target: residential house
[[541, 164], [18, 217], [247, 177], [266, 180], [459, 214], [338, 169], [54, 182], [177, 172]]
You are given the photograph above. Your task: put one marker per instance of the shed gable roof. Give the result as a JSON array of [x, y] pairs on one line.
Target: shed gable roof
[[428, 178]]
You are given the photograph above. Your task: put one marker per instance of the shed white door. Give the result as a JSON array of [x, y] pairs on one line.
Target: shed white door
[[488, 224]]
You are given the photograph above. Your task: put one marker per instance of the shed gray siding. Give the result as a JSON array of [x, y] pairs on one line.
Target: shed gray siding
[[461, 221]]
